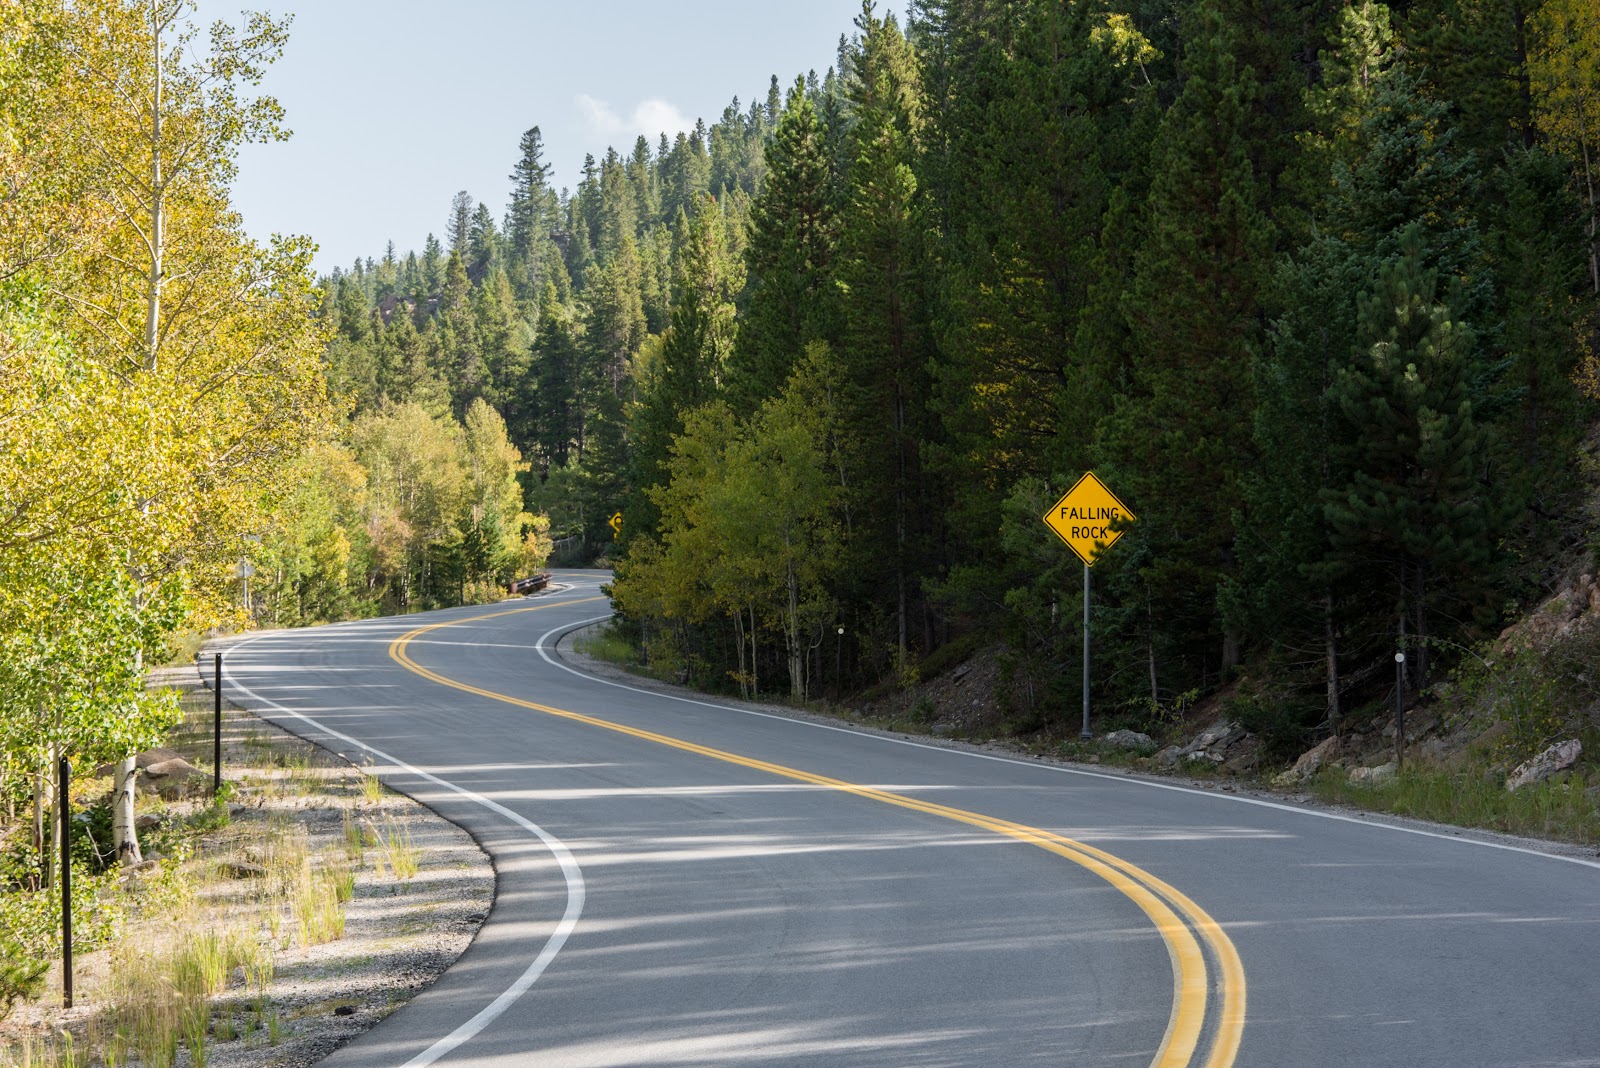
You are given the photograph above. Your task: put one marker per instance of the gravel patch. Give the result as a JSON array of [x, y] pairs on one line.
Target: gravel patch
[[400, 933]]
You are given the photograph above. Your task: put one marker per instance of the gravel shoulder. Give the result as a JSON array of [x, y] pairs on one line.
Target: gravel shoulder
[[421, 890]]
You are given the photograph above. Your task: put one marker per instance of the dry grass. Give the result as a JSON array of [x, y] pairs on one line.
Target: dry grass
[[401, 857], [193, 969]]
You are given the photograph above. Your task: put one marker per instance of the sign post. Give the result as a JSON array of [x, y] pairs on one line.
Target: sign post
[[216, 731], [1400, 710], [1086, 732], [64, 824], [1090, 519], [244, 571]]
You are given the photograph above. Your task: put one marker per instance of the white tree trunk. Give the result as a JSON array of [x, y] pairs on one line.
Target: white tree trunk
[[38, 818], [124, 834], [152, 318], [791, 637]]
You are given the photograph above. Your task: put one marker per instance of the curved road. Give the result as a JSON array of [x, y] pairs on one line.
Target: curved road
[[685, 883]]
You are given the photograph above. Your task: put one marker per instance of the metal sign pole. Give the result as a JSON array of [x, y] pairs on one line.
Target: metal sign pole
[[63, 823], [1399, 710], [216, 751], [1086, 732]]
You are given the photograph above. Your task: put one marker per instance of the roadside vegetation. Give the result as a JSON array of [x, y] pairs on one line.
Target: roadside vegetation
[[173, 464], [189, 956]]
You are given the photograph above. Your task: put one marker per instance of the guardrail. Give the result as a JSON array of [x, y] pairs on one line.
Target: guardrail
[[533, 584]]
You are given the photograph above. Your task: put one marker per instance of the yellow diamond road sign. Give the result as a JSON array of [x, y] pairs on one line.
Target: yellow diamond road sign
[[1089, 518]]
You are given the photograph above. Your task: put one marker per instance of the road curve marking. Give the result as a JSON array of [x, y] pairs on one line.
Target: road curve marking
[[1153, 896], [571, 873]]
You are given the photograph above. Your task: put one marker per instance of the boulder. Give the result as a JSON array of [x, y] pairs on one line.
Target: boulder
[[149, 759], [1219, 736], [171, 778], [1169, 757], [1128, 740], [1558, 757], [1373, 776], [177, 768], [1310, 762], [241, 869]]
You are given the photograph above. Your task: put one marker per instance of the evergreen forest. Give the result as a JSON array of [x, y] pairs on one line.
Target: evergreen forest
[[1314, 285]]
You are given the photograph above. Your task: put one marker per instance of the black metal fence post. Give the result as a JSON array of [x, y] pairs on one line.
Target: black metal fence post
[[216, 751], [64, 820]]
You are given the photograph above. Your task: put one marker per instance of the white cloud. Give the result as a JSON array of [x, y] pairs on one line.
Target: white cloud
[[649, 117]]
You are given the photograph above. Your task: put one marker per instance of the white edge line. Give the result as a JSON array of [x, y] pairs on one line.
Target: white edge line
[[1041, 765], [569, 871]]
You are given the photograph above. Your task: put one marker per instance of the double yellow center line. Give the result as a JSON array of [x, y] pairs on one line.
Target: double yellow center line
[[1183, 925]]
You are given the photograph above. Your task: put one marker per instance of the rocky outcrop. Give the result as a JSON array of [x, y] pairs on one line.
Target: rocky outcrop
[[1311, 761], [1558, 757], [1213, 743]]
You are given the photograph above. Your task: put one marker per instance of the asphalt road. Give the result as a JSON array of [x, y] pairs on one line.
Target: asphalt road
[[684, 883]]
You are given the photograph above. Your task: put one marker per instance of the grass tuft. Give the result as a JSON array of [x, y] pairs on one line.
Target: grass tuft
[[403, 859]]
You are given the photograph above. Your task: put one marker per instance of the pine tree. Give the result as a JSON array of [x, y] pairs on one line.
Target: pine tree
[[1180, 436], [884, 344], [412, 373], [1029, 141], [460, 353], [432, 277], [483, 245], [553, 405], [688, 368], [615, 327], [793, 235], [1474, 53], [1415, 506], [460, 225], [1534, 241], [530, 218]]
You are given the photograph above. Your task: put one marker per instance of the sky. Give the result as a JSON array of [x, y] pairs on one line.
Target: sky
[[397, 104]]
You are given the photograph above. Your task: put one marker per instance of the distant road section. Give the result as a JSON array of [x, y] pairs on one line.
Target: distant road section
[[686, 883]]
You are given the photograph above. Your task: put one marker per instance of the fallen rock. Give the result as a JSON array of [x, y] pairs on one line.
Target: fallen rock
[[1219, 736], [176, 768], [1309, 763], [1169, 756], [1558, 757], [1373, 776], [172, 778], [1128, 740], [146, 822], [241, 869], [150, 758]]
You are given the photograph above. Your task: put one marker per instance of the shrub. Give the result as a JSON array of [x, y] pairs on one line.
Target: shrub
[[1283, 723], [21, 973]]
